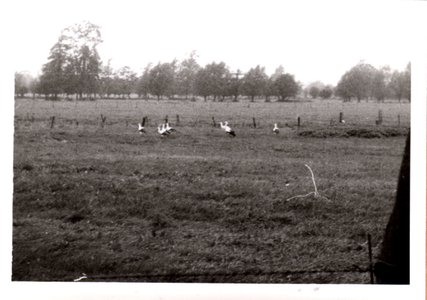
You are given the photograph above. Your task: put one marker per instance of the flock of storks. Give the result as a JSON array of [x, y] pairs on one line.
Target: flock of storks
[[165, 129]]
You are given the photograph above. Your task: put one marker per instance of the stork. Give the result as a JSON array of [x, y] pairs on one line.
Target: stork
[[162, 130], [276, 129], [227, 128], [169, 129], [141, 126]]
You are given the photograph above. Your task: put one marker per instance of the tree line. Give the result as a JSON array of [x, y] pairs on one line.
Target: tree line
[[74, 69]]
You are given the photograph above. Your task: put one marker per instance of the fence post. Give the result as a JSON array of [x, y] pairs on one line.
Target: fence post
[[253, 119], [380, 117], [103, 120], [341, 117], [177, 119], [299, 122], [213, 119], [166, 119], [398, 120], [52, 121]]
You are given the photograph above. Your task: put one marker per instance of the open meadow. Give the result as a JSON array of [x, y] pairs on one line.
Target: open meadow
[[97, 197]]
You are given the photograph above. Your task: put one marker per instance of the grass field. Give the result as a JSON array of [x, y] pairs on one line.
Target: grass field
[[199, 206]]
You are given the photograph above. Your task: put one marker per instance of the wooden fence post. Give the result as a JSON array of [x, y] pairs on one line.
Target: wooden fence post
[[213, 120], [177, 119], [341, 114], [166, 119], [52, 121], [253, 119], [380, 117], [299, 122]]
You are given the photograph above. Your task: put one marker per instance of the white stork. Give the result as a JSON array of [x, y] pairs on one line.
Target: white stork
[[162, 130], [276, 129], [141, 126], [227, 128], [169, 129]]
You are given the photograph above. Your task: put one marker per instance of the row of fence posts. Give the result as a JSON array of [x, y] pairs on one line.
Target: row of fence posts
[[378, 122]]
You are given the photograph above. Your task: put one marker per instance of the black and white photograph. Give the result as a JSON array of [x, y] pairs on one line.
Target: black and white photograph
[[215, 149]]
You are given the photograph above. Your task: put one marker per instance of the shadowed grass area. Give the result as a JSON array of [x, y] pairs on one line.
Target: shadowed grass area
[[110, 202]]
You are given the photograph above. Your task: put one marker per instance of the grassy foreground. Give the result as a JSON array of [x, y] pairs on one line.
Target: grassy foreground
[[107, 201]]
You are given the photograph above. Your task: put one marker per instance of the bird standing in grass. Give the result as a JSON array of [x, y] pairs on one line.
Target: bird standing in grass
[[141, 126], [276, 129], [227, 129], [162, 130], [169, 129]]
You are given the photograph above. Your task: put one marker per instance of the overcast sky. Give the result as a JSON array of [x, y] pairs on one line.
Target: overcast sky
[[312, 40]]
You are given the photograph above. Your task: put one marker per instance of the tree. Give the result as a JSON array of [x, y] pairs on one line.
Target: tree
[[74, 62], [279, 71], [343, 88], [233, 85], [212, 80], [357, 82], [23, 83], [399, 85], [83, 39], [315, 87], [160, 79], [186, 75], [201, 83], [34, 86], [326, 92], [270, 89], [286, 86], [379, 84], [126, 81], [219, 76], [254, 82], [142, 84], [53, 72], [106, 79], [314, 92]]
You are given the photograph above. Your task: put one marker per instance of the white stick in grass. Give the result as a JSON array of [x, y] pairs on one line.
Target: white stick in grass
[[316, 194]]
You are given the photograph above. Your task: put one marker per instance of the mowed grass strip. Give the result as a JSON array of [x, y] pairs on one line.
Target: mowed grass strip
[[111, 202]]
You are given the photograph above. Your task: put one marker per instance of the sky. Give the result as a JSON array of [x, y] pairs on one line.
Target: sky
[[311, 40]]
